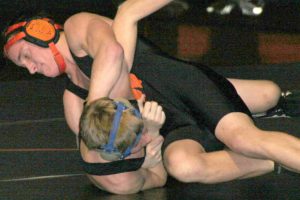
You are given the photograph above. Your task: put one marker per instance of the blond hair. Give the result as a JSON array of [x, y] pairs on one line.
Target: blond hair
[[96, 123]]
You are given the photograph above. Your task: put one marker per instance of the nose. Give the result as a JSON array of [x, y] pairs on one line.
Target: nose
[[31, 67]]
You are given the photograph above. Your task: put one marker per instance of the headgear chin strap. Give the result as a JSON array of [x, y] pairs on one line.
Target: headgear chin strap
[[40, 31], [109, 151]]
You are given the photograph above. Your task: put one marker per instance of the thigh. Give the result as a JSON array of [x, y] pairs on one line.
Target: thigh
[[258, 95], [210, 97], [201, 138], [184, 151]]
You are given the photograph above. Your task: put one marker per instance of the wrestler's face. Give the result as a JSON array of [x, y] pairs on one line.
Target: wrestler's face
[[34, 58]]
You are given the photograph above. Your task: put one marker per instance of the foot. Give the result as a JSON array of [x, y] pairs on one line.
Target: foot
[[288, 106], [252, 7], [280, 170]]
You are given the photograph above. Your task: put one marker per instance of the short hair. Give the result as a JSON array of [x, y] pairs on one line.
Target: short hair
[[96, 123]]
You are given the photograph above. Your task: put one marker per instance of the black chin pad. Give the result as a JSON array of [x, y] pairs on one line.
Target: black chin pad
[[110, 156]]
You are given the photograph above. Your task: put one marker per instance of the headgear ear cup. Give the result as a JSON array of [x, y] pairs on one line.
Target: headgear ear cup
[[42, 32]]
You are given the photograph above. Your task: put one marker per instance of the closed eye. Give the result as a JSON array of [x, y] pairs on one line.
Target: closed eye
[[23, 57]]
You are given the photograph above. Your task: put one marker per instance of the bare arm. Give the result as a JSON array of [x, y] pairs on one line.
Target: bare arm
[[143, 179], [152, 173], [125, 23], [90, 34], [73, 107], [129, 182]]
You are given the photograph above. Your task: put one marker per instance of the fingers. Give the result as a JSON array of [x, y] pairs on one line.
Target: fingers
[[153, 111], [150, 108], [140, 102], [160, 115], [163, 117]]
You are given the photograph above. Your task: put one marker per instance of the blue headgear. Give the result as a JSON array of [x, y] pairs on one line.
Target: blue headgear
[[109, 151]]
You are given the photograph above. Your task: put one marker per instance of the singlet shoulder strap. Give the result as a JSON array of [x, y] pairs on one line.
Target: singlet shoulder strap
[[78, 91]]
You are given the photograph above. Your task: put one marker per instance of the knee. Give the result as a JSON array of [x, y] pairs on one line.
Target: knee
[[239, 134], [185, 167], [240, 144], [271, 93], [245, 142], [176, 164]]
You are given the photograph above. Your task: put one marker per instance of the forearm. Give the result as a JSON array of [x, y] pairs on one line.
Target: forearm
[[139, 9], [126, 19], [106, 70], [94, 37]]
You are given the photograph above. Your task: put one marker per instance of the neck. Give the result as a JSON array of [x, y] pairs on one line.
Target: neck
[[64, 50]]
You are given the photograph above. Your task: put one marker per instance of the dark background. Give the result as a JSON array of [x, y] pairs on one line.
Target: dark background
[[233, 38], [31, 112]]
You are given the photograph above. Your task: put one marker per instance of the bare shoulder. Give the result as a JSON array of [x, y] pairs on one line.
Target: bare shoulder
[[86, 15], [82, 20], [80, 25]]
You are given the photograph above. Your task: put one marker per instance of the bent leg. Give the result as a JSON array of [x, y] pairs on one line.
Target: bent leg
[[187, 161], [238, 132], [258, 95]]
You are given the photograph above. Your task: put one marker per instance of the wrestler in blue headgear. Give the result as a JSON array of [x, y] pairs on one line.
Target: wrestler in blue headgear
[[110, 151]]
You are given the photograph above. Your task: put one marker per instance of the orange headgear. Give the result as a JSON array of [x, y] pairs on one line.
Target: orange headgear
[[40, 31]]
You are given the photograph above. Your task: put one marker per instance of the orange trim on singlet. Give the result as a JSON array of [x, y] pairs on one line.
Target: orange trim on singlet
[[136, 86]]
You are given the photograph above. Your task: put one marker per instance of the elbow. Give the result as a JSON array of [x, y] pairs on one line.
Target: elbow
[[121, 185], [122, 189], [163, 181], [114, 52], [124, 9], [128, 13]]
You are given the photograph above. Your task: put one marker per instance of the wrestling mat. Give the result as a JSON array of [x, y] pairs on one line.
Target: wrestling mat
[[39, 159]]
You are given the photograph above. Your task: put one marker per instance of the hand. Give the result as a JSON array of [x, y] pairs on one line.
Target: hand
[[152, 114], [153, 152]]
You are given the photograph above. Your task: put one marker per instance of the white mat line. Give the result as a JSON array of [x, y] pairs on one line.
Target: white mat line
[[40, 177], [21, 122]]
